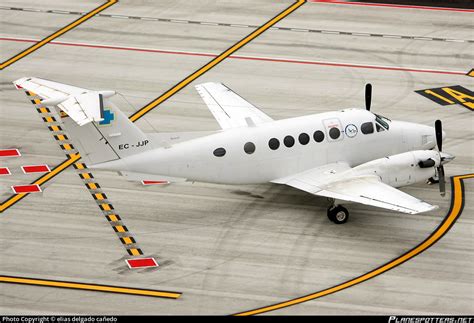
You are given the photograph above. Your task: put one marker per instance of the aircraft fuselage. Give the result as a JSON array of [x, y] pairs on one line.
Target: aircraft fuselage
[[244, 156]]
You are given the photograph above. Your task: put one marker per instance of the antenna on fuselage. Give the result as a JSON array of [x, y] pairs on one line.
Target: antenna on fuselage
[[368, 96]]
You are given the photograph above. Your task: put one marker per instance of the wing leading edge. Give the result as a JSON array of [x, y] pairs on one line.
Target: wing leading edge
[[337, 181], [230, 109]]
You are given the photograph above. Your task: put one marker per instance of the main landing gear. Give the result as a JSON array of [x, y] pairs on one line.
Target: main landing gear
[[338, 214]]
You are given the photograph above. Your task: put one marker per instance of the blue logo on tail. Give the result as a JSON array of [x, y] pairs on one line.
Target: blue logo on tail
[[108, 118]]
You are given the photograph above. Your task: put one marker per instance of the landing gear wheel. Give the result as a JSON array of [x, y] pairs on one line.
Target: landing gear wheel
[[338, 214]]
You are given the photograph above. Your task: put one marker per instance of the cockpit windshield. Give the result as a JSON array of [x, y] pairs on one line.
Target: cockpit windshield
[[381, 120]]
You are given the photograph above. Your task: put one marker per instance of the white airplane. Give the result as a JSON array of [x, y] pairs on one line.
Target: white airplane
[[352, 155]]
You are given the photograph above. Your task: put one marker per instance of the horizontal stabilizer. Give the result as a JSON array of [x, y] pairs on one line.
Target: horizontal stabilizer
[[82, 105]]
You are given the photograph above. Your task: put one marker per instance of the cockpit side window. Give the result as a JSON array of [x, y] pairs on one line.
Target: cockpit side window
[[367, 127], [379, 128], [384, 122]]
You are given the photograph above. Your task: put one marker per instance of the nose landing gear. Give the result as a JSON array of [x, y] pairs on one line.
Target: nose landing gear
[[338, 214]]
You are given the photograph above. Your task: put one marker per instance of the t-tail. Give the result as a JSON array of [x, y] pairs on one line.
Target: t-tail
[[98, 129]]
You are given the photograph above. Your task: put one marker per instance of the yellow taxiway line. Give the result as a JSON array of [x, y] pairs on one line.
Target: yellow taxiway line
[[40, 181], [58, 33], [89, 287], [457, 204], [257, 32]]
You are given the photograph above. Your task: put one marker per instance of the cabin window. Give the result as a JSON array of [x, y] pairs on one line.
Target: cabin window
[[289, 141], [318, 136], [334, 133], [249, 148], [219, 152], [303, 138], [273, 144], [367, 128]]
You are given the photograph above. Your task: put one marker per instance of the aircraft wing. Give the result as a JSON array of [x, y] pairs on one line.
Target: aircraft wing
[[82, 105], [230, 109], [339, 182]]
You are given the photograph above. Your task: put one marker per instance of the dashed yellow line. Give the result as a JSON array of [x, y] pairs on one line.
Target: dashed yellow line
[[257, 32], [457, 204], [89, 287], [58, 33]]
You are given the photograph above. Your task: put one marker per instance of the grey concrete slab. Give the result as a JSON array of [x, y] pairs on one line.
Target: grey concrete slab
[[234, 248]]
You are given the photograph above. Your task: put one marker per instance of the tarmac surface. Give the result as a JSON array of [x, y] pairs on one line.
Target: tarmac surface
[[234, 248]]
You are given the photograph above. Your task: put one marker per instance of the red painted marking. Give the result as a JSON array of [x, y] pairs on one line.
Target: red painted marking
[[35, 169], [155, 182], [34, 188], [390, 5], [141, 263], [4, 171], [9, 153], [255, 58]]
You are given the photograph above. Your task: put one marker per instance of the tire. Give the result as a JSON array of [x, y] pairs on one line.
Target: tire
[[338, 214]]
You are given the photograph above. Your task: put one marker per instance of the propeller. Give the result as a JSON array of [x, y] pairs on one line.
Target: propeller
[[368, 96], [440, 168]]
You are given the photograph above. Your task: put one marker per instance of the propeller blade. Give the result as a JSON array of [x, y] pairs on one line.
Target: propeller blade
[[442, 183], [368, 96], [439, 134]]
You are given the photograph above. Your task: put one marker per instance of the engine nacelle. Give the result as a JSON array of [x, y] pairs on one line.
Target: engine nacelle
[[403, 169]]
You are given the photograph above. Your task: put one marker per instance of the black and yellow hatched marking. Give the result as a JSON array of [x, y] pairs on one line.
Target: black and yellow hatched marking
[[450, 95], [127, 240], [86, 175], [66, 147], [94, 188], [43, 110], [108, 210], [113, 218], [55, 128], [120, 228], [61, 137], [99, 196], [79, 166], [106, 207], [49, 119], [470, 73], [135, 252]]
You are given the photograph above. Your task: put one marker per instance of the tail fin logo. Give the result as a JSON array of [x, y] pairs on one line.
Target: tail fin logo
[[108, 118]]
